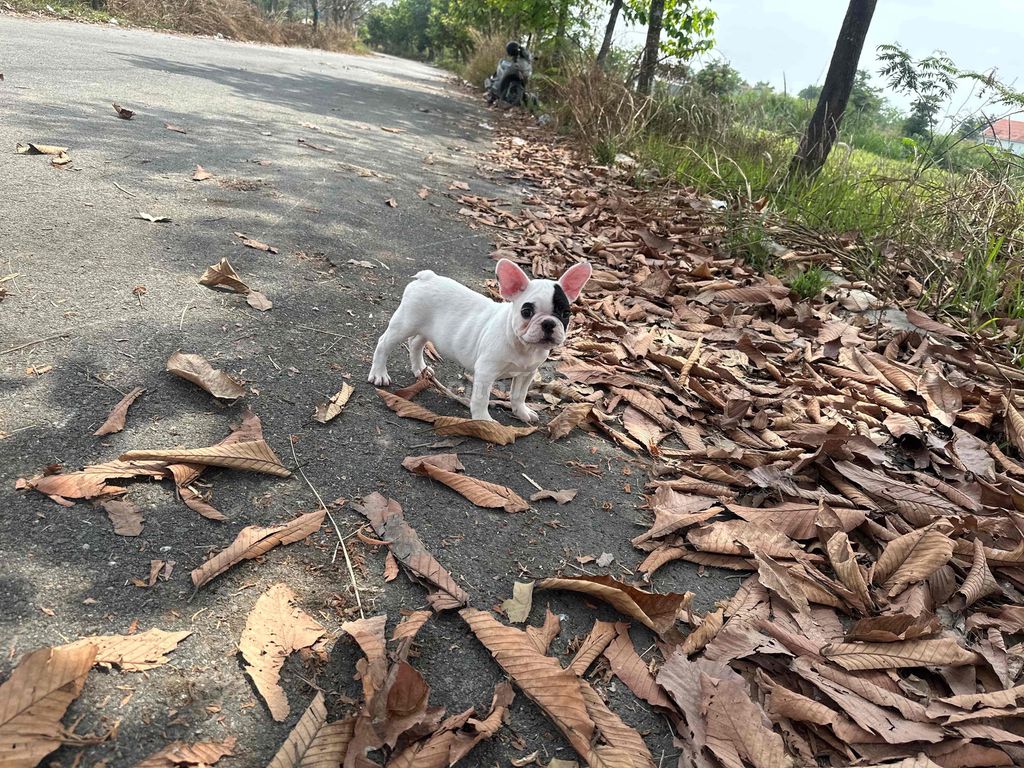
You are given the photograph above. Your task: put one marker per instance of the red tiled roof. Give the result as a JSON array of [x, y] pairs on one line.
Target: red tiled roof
[[1005, 130]]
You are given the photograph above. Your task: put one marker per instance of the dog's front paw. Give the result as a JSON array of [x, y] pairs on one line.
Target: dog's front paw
[[526, 414], [379, 379]]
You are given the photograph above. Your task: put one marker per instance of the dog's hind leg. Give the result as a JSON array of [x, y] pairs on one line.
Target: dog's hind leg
[[416, 361], [397, 332]]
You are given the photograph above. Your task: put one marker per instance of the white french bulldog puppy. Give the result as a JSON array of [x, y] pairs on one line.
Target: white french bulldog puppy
[[495, 340]]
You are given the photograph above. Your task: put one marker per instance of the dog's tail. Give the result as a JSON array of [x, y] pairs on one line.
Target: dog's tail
[[426, 274]]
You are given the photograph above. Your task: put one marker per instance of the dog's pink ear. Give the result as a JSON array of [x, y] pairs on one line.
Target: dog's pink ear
[[511, 279], [574, 279]]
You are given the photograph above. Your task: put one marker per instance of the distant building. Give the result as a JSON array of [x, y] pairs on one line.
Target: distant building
[[1007, 134]]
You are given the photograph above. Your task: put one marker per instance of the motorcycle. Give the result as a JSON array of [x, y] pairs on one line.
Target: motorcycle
[[509, 81]]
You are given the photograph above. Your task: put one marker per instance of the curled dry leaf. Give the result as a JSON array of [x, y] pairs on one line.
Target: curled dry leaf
[[249, 242], [314, 741], [406, 408], [562, 497], [979, 582], [132, 653], [479, 492], [570, 417], [274, 629], [448, 461], [91, 481], [254, 541], [911, 558], [34, 699], [601, 634], [488, 431], [151, 218], [390, 566], [254, 456], [40, 149], [180, 754], [387, 520], [197, 369], [201, 174], [327, 411], [223, 275], [122, 112], [125, 515], [175, 128], [627, 665], [656, 612], [517, 608], [115, 421]]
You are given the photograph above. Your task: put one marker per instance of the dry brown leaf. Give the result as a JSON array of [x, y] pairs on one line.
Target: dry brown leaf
[[387, 520], [314, 742], [1014, 426], [627, 665], [488, 431], [570, 417], [259, 301], [797, 521], [926, 323], [274, 629], [911, 558], [125, 515], [133, 653], [179, 754], [540, 677], [253, 541], [704, 634], [737, 730], [562, 497], [373, 669], [979, 582], [406, 408], [938, 652], [517, 608], [115, 421], [406, 632], [175, 128], [656, 612], [151, 218], [197, 369], [943, 400], [223, 275], [122, 112], [91, 481], [448, 461], [248, 242], [892, 628], [390, 567], [39, 149], [251, 456], [34, 699], [642, 428], [738, 537], [479, 492], [327, 411], [201, 174], [601, 634], [844, 563]]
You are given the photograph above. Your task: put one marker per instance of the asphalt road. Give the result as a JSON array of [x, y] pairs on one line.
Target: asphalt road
[[73, 238]]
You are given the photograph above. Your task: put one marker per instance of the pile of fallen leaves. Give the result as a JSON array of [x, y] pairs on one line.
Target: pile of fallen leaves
[[862, 463]]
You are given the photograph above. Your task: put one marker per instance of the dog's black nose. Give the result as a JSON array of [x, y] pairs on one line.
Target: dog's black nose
[[548, 326]]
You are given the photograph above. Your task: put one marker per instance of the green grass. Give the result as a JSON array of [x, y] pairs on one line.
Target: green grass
[[809, 283]]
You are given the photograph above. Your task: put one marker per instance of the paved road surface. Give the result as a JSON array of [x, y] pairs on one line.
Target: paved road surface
[[74, 240]]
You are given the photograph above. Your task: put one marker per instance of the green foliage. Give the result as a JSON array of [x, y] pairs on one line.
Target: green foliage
[[810, 93], [809, 283], [718, 78], [686, 30]]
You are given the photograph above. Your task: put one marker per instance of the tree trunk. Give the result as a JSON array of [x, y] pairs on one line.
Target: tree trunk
[[606, 44], [645, 80], [835, 93], [315, 4], [560, 27]]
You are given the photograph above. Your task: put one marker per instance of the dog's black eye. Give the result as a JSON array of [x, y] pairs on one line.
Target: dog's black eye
[[527, 311]]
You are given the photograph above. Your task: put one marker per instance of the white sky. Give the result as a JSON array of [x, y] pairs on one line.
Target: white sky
[[790, 42]]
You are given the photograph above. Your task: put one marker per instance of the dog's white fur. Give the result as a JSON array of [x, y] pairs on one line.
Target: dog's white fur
[[493, 339]]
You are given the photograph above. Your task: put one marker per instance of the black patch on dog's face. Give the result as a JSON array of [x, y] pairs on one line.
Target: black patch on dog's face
[[560, 306]]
